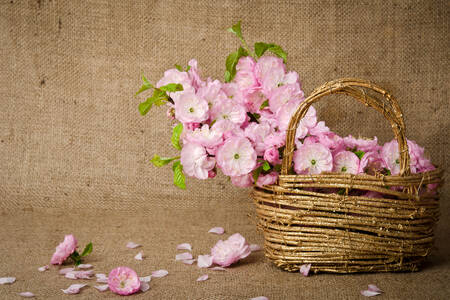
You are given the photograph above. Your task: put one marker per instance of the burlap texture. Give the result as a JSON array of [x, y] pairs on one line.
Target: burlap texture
[[71, 136]]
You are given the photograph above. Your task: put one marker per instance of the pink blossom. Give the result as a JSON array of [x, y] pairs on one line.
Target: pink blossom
[[227, 252], [270, 71], [320, 129], [312, 159], [306, 125], [194, 74], [205, 136], [123, 281], [267, 179], [391, 156], [362, 144], [283, 94], [272, 155], [229, 110], [195, 161], [275, 139], [346, 162], [332, 141], [257, 133], [236, 156], [212, 92], [245, 77], [175, 76], [64, 250], [243, 180], [190, 108], [371, 163], [254, 100], [212, 173], [285, 113]]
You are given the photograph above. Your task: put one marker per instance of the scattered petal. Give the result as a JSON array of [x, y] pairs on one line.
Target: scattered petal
[[8, 280], [184, 246], [65, 271], [80, 274], [146, 278], [189, 261], [374, 288], [74, 289], [102, 287], [43, 268], [101, 278], [218, 269], [160, 273], [132, 245], [304, 269], [138, 256], [183, 256], [255, 247], [144, 286], [204, 261], [217, 230], [368, 293], [203, 277], [260, 298], [84, 266], [26, 294]]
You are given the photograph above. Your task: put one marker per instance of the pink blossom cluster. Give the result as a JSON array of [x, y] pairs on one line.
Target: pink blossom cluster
[[240, 128]]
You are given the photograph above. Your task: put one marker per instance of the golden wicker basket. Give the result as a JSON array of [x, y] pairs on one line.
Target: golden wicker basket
[[305, 222]]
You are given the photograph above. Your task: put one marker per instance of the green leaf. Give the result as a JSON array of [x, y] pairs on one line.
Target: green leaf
[[162, 161], [261, 48], [158, 98], [359, 153], [145, 86], [256, 172], [75, 256], [266, 166], [264, 105], [231, 62], [87, 250], [236, 29], [188, 68], [179, 68], [176, 133], [172, 87], [278, 51], [178, 176]]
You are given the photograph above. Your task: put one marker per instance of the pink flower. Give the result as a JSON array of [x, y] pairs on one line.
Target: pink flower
[[243, 180], [254, 100], [227, 252], [194, 74], [123, 281], [346, 162], [391, 156], [195, 161], [320, 129], [64, 250], [418, 161], [270, 71], [229, 110], [371, 163], [285, 113], [245, 78], [362, 144], [283, 94], [306, 125], [276, 139], [190, 108], [212, 93], [205, 136], [267, 179], [312, 159], [236, 156], [272, 156], [175, 76], [257, 134]]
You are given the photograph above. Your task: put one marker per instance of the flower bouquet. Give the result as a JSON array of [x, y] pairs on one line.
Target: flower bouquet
[[341, 204]]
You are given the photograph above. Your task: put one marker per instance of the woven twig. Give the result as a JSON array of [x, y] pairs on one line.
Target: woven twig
[[305, 221]]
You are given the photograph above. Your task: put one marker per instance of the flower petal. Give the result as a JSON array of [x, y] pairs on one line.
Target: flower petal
[[160, 273], [101, 278], [138, 256], [368, 293], [146, 278], [183, 256], [102, 287], [204, 261], [255, 247], [189, 261], [184, 246], [374, 288], [4, 280], [43, 268], [26, 294], [304, 269], [65, 271], [80, 274], [133, 245], [217, 230], [218, 269], [203, 277], [260, 298], [144, 286], [84, 266], [74, 289]]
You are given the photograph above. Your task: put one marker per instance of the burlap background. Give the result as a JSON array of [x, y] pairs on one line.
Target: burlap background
[[75, 152]]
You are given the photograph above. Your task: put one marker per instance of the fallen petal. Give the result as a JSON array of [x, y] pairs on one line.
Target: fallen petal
[[160, 273], [138, 256], [26, 294], [368, 293], [65, 271], [80, 274], [189, 261], [374, 288], [203, 277], [132, 245], [102, 287], [304, 269], [84, 266], [146, 278], [255, 247], [9, 280], [74, 289], [260, 298], [217, 230], [43, 268], [144, 286], [183, 256], [101, 278], [184, 246], [204, 261], [218, 269]]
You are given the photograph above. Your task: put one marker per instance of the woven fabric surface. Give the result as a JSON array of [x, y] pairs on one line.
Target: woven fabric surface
[[72, 140]]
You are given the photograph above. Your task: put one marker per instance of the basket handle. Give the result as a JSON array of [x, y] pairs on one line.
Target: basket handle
[[387, 105]]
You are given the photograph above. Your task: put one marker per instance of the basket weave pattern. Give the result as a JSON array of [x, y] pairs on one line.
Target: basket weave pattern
[[305, 220]]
